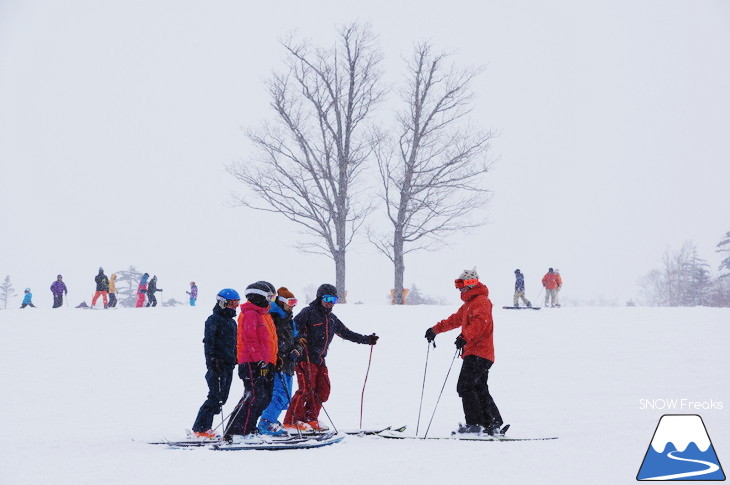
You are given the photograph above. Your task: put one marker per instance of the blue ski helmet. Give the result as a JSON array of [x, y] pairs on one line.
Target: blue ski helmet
[[227, 294]]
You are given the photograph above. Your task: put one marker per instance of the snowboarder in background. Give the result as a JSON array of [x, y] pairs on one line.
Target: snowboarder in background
[[316, 327], [102, 289], [256, 350], [520, 289], [58, 288], [151, 289], [550, 282], [476, 345], [193, 293], [27, 299], [559, 281], [142, 290], [219, 345], [290, 349], [113, 290]]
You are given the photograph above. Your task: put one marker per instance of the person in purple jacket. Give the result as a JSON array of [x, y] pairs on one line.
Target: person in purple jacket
[[193, 293], [58, 288]]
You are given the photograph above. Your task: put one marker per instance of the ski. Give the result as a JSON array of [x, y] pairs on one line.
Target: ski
[[464, 438], [521, 307], [371, 432], [283, 443], [189, 443]]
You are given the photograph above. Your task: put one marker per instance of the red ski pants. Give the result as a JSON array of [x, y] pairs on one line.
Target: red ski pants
[[104, 298], [314, 389], [140, 300]]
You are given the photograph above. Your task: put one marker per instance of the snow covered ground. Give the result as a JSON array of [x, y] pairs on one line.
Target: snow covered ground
[[83, 390]]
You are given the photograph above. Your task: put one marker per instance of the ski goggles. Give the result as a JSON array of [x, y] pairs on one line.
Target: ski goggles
[[292, 302], [459, 283], [329, 298]]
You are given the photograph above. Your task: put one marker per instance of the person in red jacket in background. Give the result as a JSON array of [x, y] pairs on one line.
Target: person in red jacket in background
[[256, 348], [477, 350], [550, 282]]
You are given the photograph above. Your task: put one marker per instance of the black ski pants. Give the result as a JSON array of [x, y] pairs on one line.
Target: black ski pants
[[219, 385], [479, 407], [112, 300], [151, 299], [258, 386], [57, 300]]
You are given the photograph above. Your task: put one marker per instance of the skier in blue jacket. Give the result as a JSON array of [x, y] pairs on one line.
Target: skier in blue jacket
[[27, 299]]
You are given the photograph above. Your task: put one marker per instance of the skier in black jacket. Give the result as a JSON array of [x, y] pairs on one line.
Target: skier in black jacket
[[220, 359], [151, 289], [317, 326]]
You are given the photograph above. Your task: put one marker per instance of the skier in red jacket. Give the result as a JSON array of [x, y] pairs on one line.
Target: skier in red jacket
[[477, 350]]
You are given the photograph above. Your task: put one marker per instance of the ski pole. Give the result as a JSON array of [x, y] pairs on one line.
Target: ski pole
[[288, 398], [423, 386], [442, 391], [538, 295], [220, 402], [362, 395], [308, 375]]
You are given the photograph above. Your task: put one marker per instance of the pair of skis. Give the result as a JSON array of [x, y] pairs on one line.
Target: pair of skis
[[397, 433], [257, 442]]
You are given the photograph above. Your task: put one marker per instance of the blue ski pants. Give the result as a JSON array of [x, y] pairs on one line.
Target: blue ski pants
[[280, 397]]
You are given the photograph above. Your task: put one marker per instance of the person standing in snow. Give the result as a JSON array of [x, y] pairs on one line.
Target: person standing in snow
[[476, 345], [102, 289], [550, 282], [142, 290], [193, 293], [27, 299], [559, 281], [290, 348], [151, 290], [113, 290], [520, 289], [316, 326], [58, 288], [219, 345], [256, 351]]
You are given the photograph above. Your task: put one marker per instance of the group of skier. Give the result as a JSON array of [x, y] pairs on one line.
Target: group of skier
[[269, 346], [106, 289], [552, 282]]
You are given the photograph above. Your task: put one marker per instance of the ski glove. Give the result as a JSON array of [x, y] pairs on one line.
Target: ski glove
[[371, 339], [294, 355], [460, 342], [430, 335], [263, 367]]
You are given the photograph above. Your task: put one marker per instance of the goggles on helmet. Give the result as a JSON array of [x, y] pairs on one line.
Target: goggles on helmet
[[292, 302], [460, 283], [329, 298]]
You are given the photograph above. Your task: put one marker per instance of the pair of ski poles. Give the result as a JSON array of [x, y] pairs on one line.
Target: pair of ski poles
[[423, 387]]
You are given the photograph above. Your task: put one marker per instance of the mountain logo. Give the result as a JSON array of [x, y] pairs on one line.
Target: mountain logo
[[681, 450]]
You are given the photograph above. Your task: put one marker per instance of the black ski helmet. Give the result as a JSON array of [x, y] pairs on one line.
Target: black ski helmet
[[260, 293], [326, 289]]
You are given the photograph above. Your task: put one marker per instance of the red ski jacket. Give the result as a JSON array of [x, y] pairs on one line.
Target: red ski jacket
[[475, 319], [549, 281], [256, 338]]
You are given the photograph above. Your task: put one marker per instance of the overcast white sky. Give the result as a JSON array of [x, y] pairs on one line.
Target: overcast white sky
[[117, 118]]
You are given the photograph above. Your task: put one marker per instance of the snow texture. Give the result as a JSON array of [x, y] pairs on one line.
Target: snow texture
[[84, 390]]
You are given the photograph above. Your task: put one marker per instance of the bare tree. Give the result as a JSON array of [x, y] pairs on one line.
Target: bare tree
[[310, 157], [6, 291], [432, 173]]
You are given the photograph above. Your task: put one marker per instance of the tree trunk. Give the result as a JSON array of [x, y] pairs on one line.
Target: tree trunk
[[399, 267], [340, 268]]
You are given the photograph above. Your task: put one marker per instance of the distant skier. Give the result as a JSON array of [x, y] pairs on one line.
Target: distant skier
[[520, 289], [477, 350], [219, 345], [256, 350], [27, 299], [317, 326], [193, 293], [559, 280], [58, 288], [113, 290], [151, 290], [142, 290], [290, 349], [102, 289], [550, 282]]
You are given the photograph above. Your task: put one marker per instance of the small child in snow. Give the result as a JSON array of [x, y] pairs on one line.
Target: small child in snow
[[27, 299]]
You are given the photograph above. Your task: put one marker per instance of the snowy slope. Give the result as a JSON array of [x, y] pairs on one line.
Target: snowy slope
[[82, 390]]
